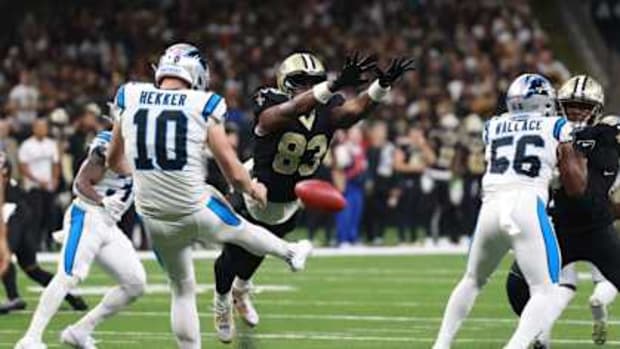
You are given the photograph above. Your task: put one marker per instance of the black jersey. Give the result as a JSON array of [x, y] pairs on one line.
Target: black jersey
[[472, 148], [285, 157], [444, 143], [593, 209], [15, 198]]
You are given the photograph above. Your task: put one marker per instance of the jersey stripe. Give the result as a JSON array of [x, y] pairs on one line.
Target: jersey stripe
[[557, 128], [551, 244], [211, 104], [224, 212], [120, 97], [75, 233], [105, 135]]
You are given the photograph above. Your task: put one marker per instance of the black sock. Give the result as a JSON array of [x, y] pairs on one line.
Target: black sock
[[224, 272], [9, 280], [38, 275]]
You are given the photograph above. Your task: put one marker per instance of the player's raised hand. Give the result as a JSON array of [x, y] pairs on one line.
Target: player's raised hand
[[396, 69], [351, 74]]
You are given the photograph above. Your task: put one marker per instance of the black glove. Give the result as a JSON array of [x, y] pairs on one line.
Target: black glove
[[398, 66], [351, 73]]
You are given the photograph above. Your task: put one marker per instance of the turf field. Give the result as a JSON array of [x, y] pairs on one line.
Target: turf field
[[339, 302]]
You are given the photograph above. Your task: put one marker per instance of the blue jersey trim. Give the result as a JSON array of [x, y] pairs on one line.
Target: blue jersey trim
[[104, 135], [120, 97], [551, 244], [223, 211], [75, 233], [211, 104], [557, 128]]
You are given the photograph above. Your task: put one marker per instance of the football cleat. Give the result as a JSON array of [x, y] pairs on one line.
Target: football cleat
[[599, 325], [223, 319], [30, 343], [75, 338], [243, 305], [298, 253], [12, 305]]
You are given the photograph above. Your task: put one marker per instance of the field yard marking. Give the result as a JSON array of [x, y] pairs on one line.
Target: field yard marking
[[323, 336], [319, 252], [165, 289], [340, 317]]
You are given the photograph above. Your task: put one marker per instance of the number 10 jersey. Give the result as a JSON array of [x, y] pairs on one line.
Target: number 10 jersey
[[164, 134], [521, 152]]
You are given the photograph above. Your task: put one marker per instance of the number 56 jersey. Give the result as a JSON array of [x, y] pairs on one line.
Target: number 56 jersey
[[521, 152], [164, 134]]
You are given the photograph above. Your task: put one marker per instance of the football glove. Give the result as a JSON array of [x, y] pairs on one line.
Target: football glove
[[114, 206], [352, 71], [397, 67]]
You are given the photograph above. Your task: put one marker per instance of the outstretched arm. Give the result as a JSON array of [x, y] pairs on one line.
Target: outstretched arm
[[278, 116], [353, 110]]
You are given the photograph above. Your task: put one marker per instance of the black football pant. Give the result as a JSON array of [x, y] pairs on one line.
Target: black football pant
[[236, 261], [601, 247]]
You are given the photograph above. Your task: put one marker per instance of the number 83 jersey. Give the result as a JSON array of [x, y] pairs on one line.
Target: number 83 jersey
[[164, 134], [285, 157], [521, 152]]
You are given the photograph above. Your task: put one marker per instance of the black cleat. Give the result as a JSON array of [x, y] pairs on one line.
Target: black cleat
[[76, 302], [12, 305]]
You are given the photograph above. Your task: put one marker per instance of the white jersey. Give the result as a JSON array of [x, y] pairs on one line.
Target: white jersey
[[112, 182], [165, 133], [521, 152]]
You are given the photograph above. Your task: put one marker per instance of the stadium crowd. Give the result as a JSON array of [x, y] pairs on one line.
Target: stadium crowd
[[414, 165]]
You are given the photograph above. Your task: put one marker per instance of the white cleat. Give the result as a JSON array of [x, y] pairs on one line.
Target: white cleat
[[29, 343], [223, 320], [599, 325], [243, 304], [75, 338], [298, 253]]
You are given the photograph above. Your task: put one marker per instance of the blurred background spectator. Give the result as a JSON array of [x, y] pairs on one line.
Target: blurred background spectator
[[423, 155]]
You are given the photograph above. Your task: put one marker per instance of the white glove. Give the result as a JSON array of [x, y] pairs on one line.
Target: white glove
[[114, 206]]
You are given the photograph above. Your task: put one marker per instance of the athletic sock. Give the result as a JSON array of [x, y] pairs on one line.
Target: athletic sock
[[603, 295], [224, 273], [9, 280], [113, 301], [50, 301]]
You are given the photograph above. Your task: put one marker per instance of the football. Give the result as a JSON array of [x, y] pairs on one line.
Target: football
[[320, 195]]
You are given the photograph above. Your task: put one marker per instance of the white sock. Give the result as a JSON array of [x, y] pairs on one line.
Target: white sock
[[184, 314], [461, 301], [603, 295], [563, 297], [113, 301], [241, 284], [50, 301], [538, 316]]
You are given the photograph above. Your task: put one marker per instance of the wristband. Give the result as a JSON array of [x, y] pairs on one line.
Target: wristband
[[322, 93], [376, 92]]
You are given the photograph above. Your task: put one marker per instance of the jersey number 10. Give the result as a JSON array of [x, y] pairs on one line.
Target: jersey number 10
[[164, 119]]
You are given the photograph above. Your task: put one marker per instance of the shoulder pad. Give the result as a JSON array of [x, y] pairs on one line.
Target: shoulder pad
[[267, 97]]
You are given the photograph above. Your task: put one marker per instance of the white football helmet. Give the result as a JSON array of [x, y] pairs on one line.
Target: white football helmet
[[183, 61], [531, 93]]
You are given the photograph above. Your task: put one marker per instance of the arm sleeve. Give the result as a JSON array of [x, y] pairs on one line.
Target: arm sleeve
[[562, 130], [215, 109]]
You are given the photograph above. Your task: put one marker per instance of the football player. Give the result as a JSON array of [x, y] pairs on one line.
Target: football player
[[293, 126], [523, 147], [162, 129], [91, 233], [585, 223], [22, 243], [5, 254]]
